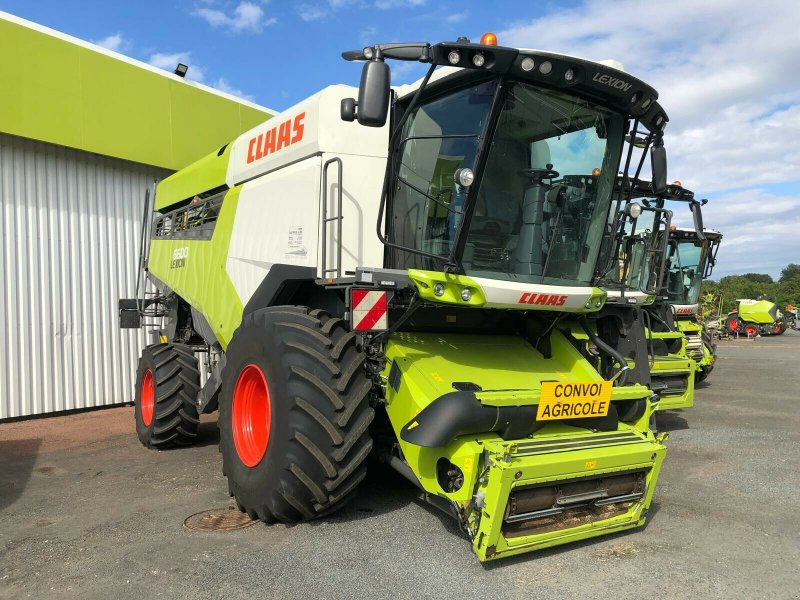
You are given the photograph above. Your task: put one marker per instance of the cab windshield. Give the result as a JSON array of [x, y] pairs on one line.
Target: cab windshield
[[542, 200], [638, 255], [544, 196], [685, 275]]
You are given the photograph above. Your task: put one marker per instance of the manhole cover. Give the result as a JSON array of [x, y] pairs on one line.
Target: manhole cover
[[221, 519]]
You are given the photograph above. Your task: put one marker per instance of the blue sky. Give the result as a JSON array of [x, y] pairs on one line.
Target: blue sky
[[727, 74]]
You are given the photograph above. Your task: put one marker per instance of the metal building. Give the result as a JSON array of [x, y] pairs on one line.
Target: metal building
[[85, 132]]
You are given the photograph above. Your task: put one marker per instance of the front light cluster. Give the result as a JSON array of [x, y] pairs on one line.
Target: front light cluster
[[594, 302]]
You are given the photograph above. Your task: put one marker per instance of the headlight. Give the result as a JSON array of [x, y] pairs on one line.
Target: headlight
[[633, 210], [466, 294], [464, 177], [438, 289]]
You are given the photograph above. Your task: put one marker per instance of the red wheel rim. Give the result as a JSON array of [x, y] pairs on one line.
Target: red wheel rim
[[148, 395], [751, 331], [777, 328], [734, 325], [251, 416]]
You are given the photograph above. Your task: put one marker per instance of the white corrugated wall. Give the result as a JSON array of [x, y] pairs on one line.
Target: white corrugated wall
[[69, 237]]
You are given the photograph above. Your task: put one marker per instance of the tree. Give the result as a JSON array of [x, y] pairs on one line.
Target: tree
[[792, 270], [757, 285], [758, 277]]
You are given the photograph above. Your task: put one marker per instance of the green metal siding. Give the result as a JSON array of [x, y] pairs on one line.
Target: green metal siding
[[67, 94]]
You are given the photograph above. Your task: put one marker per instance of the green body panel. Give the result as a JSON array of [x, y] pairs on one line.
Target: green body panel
[[759, 312], [71, 95], [510, 372], [675, 366], [202, 279], [452, 285], [509, 468], [203, 175]]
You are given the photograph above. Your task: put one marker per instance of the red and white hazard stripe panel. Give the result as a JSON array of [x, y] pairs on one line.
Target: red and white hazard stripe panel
[[369, 310]]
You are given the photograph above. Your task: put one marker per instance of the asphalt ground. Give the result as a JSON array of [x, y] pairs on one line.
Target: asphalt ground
[[87, 512]]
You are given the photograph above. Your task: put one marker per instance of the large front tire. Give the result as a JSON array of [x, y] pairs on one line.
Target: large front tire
[[167, 384], [294, 414]]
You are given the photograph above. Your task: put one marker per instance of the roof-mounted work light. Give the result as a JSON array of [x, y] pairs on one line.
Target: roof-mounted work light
[[181, 70]]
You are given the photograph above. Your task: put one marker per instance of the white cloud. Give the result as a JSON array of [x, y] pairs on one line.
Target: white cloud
[[759, 230], [367, 36], [314, 12], [387, 4], [726, 73], [116, 42], [311, 12], [168, 62], [245, 17], [722, 71], [456, 17], [223, 85]]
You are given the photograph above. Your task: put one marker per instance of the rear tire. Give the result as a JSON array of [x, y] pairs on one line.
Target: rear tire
[[294, 414], [751, 330], [167, 383], [733, 324]]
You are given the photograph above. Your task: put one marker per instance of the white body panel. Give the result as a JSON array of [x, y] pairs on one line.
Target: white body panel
[[277, 221], [313, 126], [632, 297], [362, 184], [512, 294], [685, 309]]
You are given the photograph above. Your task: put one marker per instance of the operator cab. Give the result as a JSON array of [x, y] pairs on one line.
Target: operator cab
[[503, 170], [538, 207], [635, 249], [689, 261]]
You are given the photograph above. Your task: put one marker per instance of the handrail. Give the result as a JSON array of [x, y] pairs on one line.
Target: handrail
[[326, 219]]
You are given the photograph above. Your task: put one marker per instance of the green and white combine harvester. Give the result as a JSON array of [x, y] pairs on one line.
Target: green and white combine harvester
[[464, 341], [636, 286], [691, 259]]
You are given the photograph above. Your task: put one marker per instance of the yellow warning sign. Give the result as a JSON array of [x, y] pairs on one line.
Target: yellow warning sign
[[573, 400]]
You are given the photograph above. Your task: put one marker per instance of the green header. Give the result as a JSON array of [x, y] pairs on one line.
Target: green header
[[63, 93]]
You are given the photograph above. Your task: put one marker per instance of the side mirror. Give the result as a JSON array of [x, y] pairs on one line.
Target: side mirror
[[658, 164], [348, 109], [697, 214], [373, 94]]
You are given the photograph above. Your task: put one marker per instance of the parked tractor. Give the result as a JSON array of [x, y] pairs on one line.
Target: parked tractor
[[411, 273], [755, 317]]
